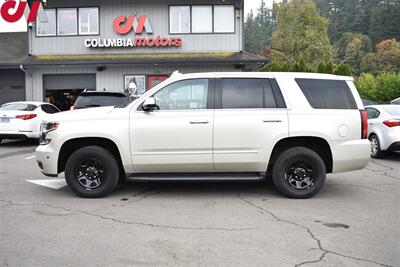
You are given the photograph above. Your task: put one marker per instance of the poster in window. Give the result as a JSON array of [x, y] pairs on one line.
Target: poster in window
[[135, 84]]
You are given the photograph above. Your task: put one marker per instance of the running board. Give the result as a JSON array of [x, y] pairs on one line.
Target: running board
[[191, 177]]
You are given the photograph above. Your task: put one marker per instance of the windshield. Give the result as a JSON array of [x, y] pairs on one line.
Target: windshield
[[87, 101], [394, 111], [18, 107]]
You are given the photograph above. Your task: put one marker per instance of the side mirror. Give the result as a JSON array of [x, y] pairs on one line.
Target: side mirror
[[150, 104]]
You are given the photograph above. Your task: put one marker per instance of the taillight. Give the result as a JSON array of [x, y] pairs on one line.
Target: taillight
[[364, 124], [392, 123], [26, 117]]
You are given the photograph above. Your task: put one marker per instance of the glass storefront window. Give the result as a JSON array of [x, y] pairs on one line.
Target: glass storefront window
[[89, 20], [224, 19], [179, 17], [47, 28], [67, 19], [202, 19]]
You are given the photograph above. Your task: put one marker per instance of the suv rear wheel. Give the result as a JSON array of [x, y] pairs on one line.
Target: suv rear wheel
[[92, 172], [299, 173]]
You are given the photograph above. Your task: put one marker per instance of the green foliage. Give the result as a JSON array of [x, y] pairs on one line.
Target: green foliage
[[300, 34], [382, 88], [343, 69], [378, 19], [258, 29], [386, 58]]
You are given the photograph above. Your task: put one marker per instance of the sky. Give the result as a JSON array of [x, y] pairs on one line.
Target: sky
[[21, 25]]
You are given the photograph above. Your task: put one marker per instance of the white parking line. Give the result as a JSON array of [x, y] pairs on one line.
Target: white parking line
[[31, 157], [50, 183]]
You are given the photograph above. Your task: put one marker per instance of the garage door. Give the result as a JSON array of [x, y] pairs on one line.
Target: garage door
[[12, 86], [70, 81]]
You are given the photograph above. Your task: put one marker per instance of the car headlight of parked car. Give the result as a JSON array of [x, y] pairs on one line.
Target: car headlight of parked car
[[45, 128]]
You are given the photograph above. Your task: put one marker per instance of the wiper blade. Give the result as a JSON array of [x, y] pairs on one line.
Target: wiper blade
[[91, 106]]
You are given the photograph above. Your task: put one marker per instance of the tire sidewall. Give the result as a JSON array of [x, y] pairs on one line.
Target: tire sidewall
[[286, 159], [378, 152], [110, 177]]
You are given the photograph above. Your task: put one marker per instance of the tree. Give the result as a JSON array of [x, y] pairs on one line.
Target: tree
[[351, 49], [258, 29], [301, 34], [386, 58]]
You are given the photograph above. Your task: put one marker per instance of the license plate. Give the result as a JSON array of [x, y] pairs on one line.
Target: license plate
[[4, 120]]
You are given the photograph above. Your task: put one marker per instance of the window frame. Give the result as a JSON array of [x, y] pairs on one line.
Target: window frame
[[78, 23], [210, 96], [234, 20], [191, 21], [36, 24], [271, 82]]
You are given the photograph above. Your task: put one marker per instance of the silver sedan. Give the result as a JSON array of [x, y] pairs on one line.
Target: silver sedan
[[384, 129]]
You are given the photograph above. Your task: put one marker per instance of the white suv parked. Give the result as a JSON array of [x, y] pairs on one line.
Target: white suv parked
[[215, 126]]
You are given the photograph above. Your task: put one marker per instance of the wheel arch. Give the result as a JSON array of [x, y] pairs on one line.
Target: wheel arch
[[73, 145], [317, 144]]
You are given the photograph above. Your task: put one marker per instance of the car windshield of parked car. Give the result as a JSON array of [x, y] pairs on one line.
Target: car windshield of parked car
[[87, 101], [18, 107], [396, 101], [394, 111]]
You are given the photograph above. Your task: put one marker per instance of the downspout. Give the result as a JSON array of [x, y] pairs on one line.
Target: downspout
[[21, 67]]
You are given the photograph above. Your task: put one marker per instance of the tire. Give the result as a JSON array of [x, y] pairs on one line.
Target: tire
[[299, 173], [376, 151], [101, 169]]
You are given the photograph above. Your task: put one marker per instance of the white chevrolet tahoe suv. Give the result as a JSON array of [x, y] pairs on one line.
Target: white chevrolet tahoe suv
[[295, 127]]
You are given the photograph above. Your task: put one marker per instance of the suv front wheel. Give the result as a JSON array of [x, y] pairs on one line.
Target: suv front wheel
[[92, 172], [299, 173]]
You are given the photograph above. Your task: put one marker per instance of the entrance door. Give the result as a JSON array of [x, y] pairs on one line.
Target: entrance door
[[178, 136], [154, 80], [62, 90]]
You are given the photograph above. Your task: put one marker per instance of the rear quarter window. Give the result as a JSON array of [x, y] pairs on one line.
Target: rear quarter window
[[327, 94]]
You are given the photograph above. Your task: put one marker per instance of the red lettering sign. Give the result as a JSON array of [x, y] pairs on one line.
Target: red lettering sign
[[17, 15], [124, 25]]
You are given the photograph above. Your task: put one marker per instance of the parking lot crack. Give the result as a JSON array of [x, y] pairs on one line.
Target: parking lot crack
[[162, 226], [383, 173], [320, 247]]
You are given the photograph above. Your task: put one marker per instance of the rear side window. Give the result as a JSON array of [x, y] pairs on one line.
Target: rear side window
[[18, 107], [49, 109], [245, 93], [373, 113], [327, 94]]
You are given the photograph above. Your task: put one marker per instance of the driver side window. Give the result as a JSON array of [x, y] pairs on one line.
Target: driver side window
[[188, 94]]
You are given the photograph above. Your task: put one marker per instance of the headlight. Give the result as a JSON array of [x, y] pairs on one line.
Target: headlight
[[46, 127]]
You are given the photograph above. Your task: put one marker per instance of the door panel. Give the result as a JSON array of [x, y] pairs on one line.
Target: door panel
[[244, 139], [178, 137]]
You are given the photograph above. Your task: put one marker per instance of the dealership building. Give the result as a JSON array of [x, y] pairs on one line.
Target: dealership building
[[123, 45]]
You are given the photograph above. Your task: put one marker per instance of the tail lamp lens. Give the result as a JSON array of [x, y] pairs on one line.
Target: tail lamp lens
[[26, 117], [364, 124], [392, 123]]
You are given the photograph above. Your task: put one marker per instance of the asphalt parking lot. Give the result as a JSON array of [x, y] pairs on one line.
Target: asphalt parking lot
[[354, 221]]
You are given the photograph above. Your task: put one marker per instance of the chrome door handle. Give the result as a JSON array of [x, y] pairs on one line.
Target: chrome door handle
[[199, 122], [272, 121]]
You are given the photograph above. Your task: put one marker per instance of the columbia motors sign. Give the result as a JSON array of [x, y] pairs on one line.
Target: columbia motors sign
[[12, 11], [135, 26]]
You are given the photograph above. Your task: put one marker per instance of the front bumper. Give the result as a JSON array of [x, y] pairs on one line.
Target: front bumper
[[47, 160], [351, 156]]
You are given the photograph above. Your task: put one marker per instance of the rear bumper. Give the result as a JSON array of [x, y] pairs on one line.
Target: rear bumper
[[394, 147], [18, 135], [351, 156]]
